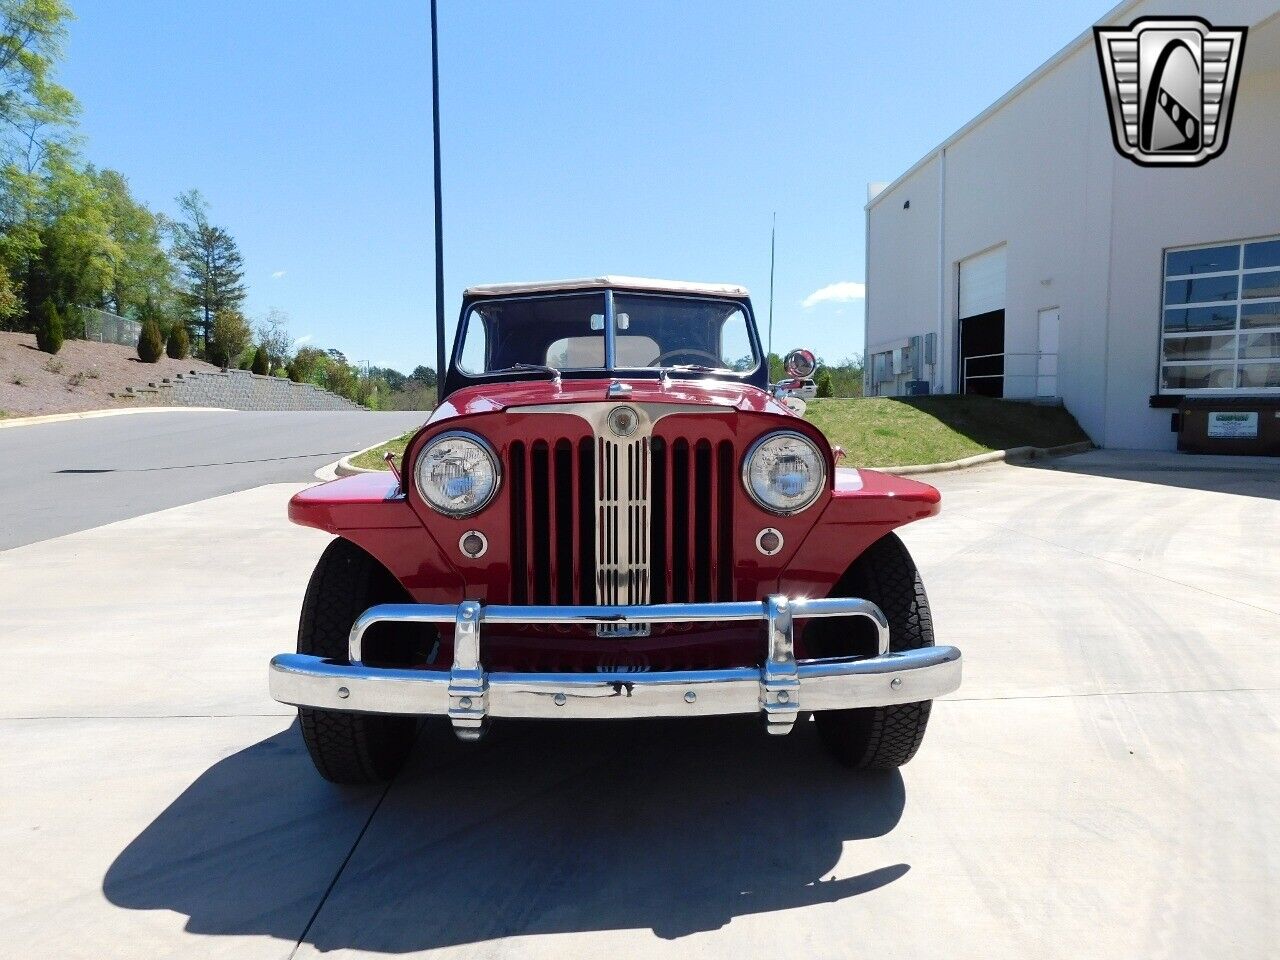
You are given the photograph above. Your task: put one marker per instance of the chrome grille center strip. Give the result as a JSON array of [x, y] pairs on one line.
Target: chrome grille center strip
[[622, 527]]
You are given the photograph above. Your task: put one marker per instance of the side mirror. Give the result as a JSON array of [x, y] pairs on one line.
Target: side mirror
[[800, 363]]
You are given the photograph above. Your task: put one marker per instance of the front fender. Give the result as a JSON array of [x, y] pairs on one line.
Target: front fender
[[864, 506], [369, 510]]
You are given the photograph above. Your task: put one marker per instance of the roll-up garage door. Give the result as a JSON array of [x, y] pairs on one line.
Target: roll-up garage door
[[982, 283], [981, 314]]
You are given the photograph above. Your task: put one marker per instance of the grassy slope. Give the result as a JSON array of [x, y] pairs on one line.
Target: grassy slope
[[880, 432], [372, 460]]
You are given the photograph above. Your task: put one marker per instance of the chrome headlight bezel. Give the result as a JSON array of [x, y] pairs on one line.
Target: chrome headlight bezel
[[821, 477], [483, 446]]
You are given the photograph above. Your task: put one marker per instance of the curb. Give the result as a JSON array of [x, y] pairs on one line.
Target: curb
[[344, 467], [94, 414], [1012, 455]]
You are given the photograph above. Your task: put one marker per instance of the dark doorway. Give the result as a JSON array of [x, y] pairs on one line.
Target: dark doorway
[[982, 354]]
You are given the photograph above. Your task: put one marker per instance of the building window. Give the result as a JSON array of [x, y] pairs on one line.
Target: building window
[[1221, 318]]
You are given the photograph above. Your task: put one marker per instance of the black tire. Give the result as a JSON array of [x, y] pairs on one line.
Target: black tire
[[878, 737], [349, 748]]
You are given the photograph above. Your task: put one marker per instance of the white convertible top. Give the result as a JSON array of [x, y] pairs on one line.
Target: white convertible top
[[600, 283]]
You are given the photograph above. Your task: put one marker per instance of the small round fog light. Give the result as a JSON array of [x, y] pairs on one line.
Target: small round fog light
[[769, 541], [473, 544]]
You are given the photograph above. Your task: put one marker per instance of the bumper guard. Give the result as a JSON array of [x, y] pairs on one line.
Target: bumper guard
[[780, 689]]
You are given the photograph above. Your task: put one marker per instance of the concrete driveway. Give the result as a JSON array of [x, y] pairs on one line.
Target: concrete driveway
[[1105, 784]]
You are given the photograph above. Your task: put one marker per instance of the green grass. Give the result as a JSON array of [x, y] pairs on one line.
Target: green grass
[[372, 459], [884, 432]]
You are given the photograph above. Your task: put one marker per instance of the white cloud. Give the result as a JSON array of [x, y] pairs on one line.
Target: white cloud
[[277, 275], [841, 292], [303, 341]]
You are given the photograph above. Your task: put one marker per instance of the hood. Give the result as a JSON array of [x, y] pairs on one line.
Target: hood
[[492, 398]]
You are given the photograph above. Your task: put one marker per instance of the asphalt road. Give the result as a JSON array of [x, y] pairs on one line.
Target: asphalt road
[[57, 478], [1104, 785]]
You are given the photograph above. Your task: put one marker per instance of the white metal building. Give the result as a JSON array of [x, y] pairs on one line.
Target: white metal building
[[1025, 257]]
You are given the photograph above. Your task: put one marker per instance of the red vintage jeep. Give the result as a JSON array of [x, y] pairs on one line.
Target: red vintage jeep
[[608, 516]]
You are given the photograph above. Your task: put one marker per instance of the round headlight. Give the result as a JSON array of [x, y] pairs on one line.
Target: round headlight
[[457, 473], [784, 472]]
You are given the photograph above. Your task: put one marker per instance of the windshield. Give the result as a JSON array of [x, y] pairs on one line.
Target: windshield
[[567, 332]]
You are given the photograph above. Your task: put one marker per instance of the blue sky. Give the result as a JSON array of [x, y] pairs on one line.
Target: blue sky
[[580, 138]]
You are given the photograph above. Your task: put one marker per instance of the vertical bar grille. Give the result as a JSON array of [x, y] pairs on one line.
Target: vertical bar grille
[[643, 520], [552, 527]]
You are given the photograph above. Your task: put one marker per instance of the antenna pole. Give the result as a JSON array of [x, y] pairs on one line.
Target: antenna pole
[[773, 246], [435, 133]]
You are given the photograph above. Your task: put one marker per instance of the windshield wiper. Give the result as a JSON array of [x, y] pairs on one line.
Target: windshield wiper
[[530, 367], [697, 368]]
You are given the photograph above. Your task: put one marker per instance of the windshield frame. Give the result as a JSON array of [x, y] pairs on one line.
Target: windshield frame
[[456, 378]]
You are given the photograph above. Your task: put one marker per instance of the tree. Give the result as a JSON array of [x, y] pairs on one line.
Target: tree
[[34, 111], [824, 384], [150, 343], [19, 240], [229, 334], [211, 266], [76, 256], [143, 270], [9, 301], [776, 369], [49, 328], [393, 379], [424, 375], [273, 333], [178, 343], [846, 376], [261, 362], [308, 365]]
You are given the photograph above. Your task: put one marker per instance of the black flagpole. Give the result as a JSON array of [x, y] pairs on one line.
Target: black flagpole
[[773, 243], [435, 130]]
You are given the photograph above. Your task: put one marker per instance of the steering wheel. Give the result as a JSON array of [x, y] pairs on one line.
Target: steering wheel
[[661, 359]]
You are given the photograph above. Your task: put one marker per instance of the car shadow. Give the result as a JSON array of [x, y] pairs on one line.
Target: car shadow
[[1242, 476], [541, 828]]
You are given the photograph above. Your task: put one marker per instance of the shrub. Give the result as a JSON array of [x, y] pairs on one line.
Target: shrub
[[75, 380], [150, 343], [178, 344], [53, 365], [261, 363], [280, 372], [309, 366], [824, 384], [49, 328], [229, 337]]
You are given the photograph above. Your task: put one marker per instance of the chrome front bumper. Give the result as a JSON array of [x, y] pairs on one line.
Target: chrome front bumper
[[780, 689]]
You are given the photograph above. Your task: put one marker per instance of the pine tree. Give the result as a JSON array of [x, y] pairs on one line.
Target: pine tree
[[49, 328], [178, 343], [212, 267], [150, 343], [261, 363]]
